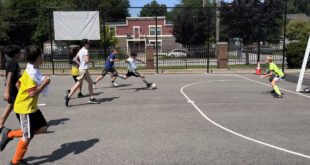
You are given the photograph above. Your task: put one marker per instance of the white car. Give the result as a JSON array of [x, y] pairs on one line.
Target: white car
[[177, 53]]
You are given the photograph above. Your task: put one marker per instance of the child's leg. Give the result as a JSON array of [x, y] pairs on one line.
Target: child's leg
[[21, 150], [5, 114], [100, 77], [90, 84], [33, 123], [75, 87], [275, 87]]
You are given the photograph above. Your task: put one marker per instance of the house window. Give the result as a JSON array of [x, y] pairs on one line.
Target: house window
[[136, 31], [152, 31]]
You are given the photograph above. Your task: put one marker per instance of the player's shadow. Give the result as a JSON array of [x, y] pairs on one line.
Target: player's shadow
[[87, 95], [65, 149], [119, 86], [137, 89], [57, 122], [107, 99]]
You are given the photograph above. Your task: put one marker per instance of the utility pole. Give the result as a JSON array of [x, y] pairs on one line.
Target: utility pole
[[217, 31]]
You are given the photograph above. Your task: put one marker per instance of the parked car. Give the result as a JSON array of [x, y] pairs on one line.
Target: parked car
[[178, 53]]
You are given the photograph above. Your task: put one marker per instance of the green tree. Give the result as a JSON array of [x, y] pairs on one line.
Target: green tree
[[298, 30], [153, 9], [193, 25], [3, 27], [252, 20], [110, 40], [298, 6]]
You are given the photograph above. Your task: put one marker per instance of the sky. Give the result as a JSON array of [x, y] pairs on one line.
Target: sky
[[141, 3]]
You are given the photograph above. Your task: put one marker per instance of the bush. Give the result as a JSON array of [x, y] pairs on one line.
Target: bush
[[295, 54]]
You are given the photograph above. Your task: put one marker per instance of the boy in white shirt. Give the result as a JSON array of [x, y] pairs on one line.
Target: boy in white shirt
[[83, 57], [132, 68]]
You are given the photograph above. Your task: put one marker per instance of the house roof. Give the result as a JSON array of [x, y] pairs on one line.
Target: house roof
[[298, 17]]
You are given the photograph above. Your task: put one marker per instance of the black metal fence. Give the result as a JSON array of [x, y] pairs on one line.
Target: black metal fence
[[168, 53]]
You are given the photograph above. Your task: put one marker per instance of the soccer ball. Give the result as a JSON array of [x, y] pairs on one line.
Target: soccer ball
[[153, 86]]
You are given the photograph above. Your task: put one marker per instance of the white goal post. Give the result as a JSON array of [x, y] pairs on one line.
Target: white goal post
[[303, 68]]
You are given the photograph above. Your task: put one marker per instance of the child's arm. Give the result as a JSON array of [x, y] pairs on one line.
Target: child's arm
[[266, 75], [17, 85], [141, 61], [75, 59], [36, 91], [7, 86]]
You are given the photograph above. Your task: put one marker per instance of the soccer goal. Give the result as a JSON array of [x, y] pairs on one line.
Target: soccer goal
[[303, 84]]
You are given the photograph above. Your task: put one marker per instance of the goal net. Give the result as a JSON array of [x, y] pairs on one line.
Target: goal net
[[303, 84]]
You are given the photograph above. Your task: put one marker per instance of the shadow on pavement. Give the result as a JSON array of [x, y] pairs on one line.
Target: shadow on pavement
[[64, 150]]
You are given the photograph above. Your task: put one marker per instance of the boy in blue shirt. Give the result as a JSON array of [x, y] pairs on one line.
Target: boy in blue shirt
[[109, 68]]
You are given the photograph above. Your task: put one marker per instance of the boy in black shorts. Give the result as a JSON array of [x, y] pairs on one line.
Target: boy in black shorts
[[132, 68], [31, 119], [12, 76]]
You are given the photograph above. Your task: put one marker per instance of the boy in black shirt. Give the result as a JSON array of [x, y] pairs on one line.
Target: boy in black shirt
[[12, 76]]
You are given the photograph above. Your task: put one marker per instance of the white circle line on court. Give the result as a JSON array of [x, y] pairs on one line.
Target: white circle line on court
[[229, 130], [41, 104]]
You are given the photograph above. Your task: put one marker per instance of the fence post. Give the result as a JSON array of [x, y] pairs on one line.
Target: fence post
[[156, 42], [51, 39], [222, 55], [150, 51], [2, 58]]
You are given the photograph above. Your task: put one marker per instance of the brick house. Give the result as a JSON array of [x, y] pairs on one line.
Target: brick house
[[137, 32]]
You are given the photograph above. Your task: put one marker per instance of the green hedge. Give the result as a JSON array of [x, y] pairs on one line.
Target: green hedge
[[295, 54]]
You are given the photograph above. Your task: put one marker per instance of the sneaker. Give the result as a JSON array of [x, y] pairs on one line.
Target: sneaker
[[114, 84], [80, 95], [93, 101], [148, 85], [272, 92], [4, 138], [67, 99], [279, 96], [21, 162]]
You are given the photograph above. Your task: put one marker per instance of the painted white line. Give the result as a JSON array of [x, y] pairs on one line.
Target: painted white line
[[231, 131], [41, 104], [296, 93]]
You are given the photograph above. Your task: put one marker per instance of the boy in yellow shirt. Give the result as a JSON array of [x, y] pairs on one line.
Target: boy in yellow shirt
[[31, 119], [275, 75]]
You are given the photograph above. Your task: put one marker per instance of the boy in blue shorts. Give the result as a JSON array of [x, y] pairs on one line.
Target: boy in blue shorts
[[31, 119]]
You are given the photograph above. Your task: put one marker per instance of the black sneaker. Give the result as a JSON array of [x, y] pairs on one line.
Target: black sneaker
[[80, 95], [272, 92], [148, 85], [279, 96], [21, 162], [67, 99], [4, 138], [93, 101]]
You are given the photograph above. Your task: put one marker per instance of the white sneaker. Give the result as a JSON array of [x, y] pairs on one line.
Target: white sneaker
[[114, 84]]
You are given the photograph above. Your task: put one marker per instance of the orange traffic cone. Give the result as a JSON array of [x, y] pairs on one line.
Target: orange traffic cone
[[258, 69]]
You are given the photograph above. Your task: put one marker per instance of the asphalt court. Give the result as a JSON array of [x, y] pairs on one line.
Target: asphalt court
[[136, 125]]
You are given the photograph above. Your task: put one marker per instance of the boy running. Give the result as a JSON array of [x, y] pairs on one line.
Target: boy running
[[12, 76], [83, 57], [132, 68], [75, 70], [109, 68], [275, 75], [31, 119]]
